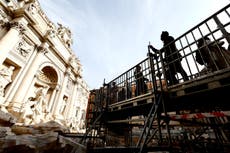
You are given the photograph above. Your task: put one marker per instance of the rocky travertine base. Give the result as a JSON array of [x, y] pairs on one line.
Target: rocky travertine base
[[39, 138], [7, 119]]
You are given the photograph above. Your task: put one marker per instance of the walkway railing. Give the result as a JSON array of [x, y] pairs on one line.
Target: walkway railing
[[204, 50]]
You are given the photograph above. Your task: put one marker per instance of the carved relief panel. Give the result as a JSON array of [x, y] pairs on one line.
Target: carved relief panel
[[69, 86], [24, 48]]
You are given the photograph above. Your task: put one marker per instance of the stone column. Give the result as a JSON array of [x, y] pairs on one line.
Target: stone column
[[52, 99], [20, 77], [25, 84], [17, 81], [11, 38], [61, 93]]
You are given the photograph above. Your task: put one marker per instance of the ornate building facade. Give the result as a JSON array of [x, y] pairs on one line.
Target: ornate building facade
[[40, 76]]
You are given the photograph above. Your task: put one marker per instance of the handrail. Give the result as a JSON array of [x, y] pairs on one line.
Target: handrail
[[214, 27]]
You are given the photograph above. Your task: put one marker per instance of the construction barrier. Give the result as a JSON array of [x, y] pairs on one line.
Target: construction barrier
[[200, 115]]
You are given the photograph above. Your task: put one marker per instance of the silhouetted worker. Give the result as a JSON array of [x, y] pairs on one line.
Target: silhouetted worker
[[113, 92], [141, 87], [172, 59], [212, 54], [128, 90], [125, 92], [202, 54]]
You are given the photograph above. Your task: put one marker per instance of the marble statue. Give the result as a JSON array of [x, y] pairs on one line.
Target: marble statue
[[5, 78], [36, 108]]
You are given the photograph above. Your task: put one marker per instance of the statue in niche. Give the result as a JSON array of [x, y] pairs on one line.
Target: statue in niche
[[63, 106], [69, 84], [5, 78], [41, 106]]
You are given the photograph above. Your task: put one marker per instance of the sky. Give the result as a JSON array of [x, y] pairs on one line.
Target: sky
[[111, 36]]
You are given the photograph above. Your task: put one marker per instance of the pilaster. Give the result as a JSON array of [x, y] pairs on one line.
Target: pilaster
[[26, 83], [11, 38], [70, 106], [61, 93]]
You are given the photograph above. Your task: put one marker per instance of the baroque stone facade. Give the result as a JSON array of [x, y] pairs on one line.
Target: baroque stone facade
[[40, 76]]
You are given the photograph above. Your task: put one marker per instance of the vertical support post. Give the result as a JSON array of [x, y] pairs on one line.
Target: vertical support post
[[222, 28]]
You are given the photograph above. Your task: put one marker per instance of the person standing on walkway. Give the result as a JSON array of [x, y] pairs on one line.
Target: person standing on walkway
[[172, 59]]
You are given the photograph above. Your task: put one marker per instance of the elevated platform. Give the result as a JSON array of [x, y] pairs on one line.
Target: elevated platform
[[143, 107], [207, 92]]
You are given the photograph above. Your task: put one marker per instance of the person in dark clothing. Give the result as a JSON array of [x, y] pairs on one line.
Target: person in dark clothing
[[212, 54], [113, 92], [172, 59], [128, 90], [125, 92], [141, 86]]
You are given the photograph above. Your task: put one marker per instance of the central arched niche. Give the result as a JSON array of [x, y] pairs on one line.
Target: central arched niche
[[48, 75]]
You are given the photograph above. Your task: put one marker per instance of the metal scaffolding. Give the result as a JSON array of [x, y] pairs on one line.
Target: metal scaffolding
[[142, 111]]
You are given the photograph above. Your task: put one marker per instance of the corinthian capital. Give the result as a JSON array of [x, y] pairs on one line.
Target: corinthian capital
[[18, 26], [43, 48]]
